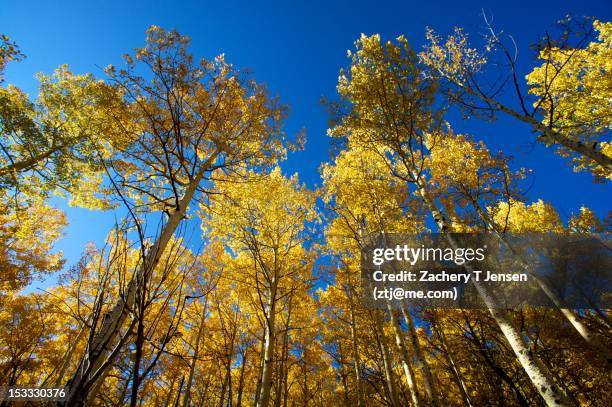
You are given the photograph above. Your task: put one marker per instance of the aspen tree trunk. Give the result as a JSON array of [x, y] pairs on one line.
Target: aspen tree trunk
[[356, 358], [423, 366], [454, 368], [343, 374], [286, 388], [228, 363], [268, 356], [278, 384], [67, 358], [560, 380], [576, 146], [548, 133], [260, 370], [404, 358], [196, 354], [540, 377], [241, 380], [97, 384], [601, 351], [492, 363], [305, 392], [224, 388], [138, 344], [281, 388], [380, 337], [428, 379], [104, 340]]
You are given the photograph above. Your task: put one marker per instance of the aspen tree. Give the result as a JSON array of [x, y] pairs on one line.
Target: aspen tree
[[190, 122], [264, 222], [568, 87], [390, 113], [466, 171]]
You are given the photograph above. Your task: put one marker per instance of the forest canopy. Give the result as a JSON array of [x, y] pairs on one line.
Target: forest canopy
[[263, 307]]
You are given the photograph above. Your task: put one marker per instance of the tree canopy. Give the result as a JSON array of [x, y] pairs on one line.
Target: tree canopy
[[265, 305]]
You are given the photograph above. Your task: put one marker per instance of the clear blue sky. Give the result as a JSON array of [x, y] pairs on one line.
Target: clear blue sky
[[297, 49]]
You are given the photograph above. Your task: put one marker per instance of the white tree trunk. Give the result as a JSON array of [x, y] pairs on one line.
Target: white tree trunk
[[380, 334], [454, 368], [106, 337], [602, 351], [422, 362], [268, 356], [540, 377], [196, 354], [404, 358], [356, 358]]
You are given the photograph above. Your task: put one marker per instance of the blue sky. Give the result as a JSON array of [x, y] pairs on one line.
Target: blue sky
[[297, 49]]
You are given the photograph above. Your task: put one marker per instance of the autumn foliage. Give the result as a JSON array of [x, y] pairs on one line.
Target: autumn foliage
[[264, 306]]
